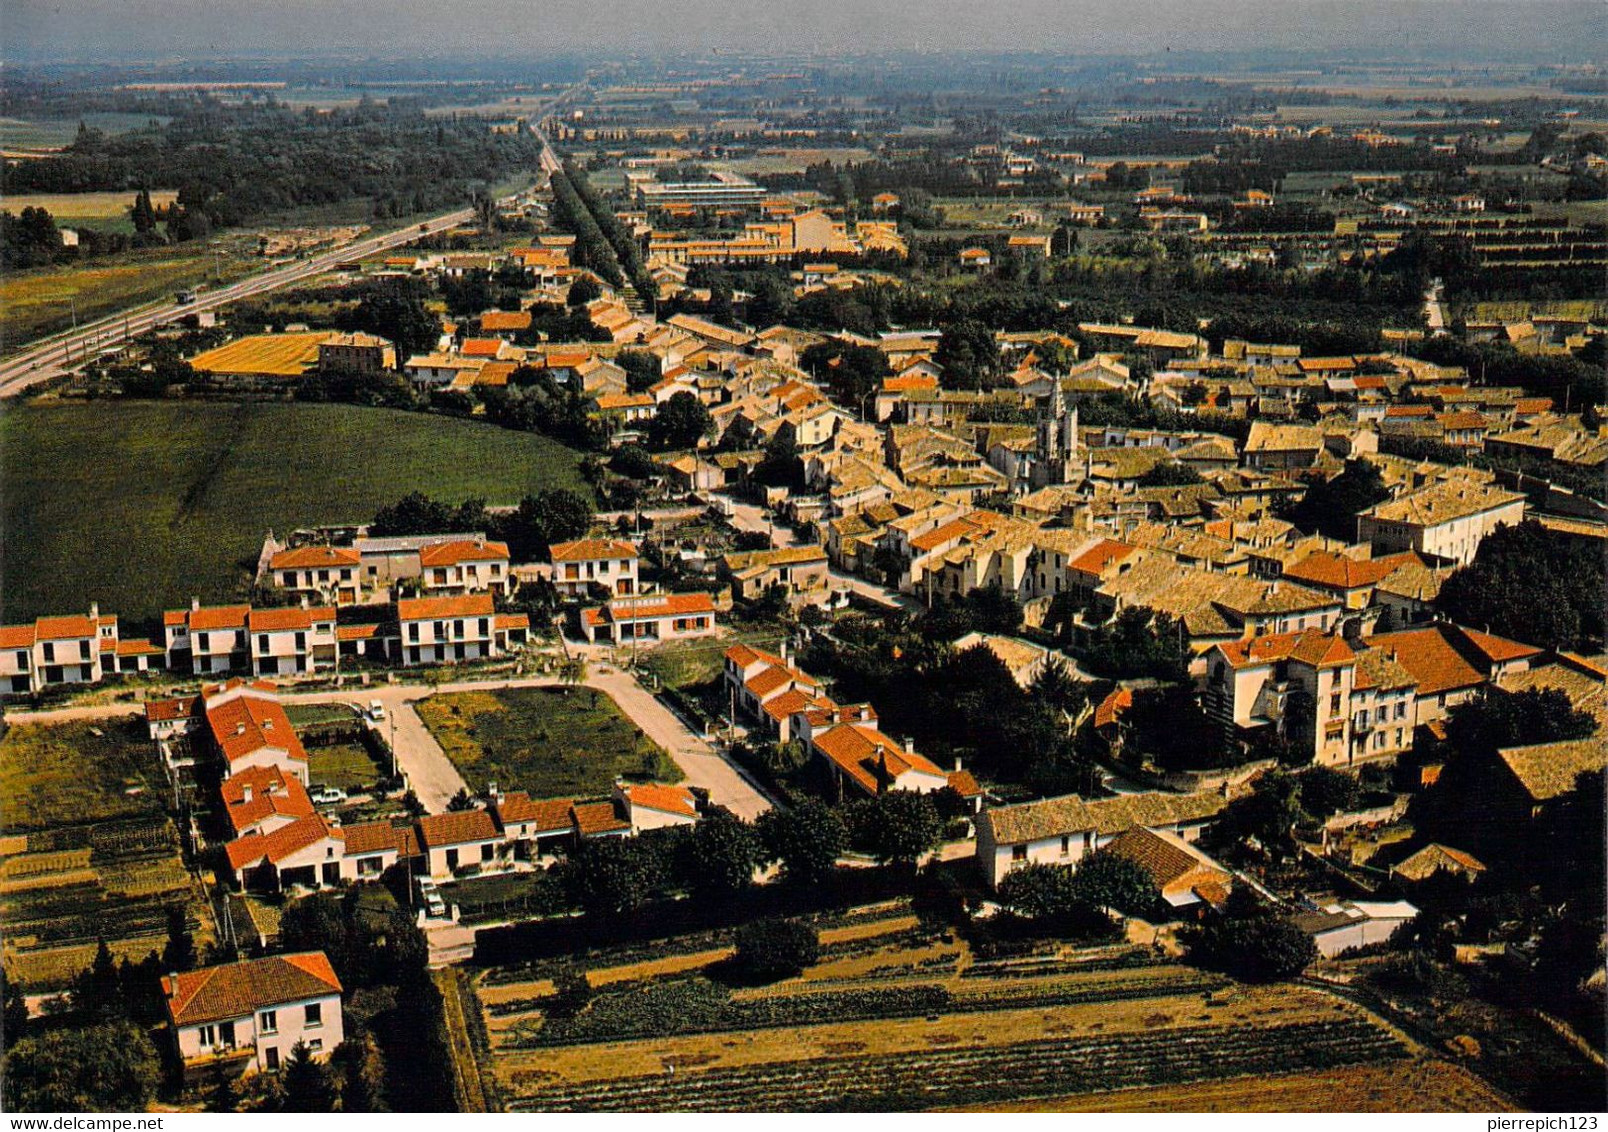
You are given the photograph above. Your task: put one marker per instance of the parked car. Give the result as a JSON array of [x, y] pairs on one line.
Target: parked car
[[436, 907], [326, 795], [376, 711]]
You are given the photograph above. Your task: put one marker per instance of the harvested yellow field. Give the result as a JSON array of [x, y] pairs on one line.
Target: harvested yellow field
[[264, 355], [86, 206], [1413, 1085]]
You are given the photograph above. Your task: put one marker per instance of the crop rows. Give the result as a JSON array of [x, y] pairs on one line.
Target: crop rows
[[943, 1078], [692, 1006]]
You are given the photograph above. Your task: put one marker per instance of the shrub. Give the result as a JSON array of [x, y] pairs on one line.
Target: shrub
[[775, 949]]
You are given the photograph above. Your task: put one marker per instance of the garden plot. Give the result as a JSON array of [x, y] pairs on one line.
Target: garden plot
[[89, 852], [550, 742]]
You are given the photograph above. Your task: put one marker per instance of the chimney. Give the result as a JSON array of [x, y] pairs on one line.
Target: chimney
[[94, 611], [195, 604], [240, 728], [245, 794], [960, 764], [909, 745]]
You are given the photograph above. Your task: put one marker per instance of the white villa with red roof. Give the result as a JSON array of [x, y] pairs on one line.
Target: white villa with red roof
[[611, 563], [291, 642], [256, 1011], [465, 566], [207, 640], [650, 618], [69, 650], [443, 630], [324, 573]]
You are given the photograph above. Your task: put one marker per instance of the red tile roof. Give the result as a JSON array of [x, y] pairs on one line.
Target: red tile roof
[[462, 550], [1338, 572], [208, 618], [667, 799], [272, 792], [1112, 707], [1445, 657], [592, 818], [869, 757], [314, 557], [64, 628], [250, 723], [431, 608], [235, 990], [16, 636], [274, 847], [457, 828], [548, 815], [375, 837], [1100, 555], [590, 549], [287, 620]]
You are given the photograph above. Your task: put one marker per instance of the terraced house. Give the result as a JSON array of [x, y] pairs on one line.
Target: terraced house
[[69, 650], [442, 630]]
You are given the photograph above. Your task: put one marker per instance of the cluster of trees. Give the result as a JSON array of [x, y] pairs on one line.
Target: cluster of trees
[[1250, 940], [592, 248], [548, 516], [1331, 507], [1065, 901], [960, 703], [629, 255], [233, 163], [1532, 584], [533, 402]]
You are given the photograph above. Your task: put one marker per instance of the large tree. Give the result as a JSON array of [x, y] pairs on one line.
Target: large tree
[[852, 372], [899, 826], [807, 839], [721, 855], [681, 422], [1531, 584], [1251, 941], [1331, 508], [105, 1068]]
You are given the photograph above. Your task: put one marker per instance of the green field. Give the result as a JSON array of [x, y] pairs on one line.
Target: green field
[[72, 773], [53, 133], [46, 300], [345, 766], [551, 742], [140, 505]]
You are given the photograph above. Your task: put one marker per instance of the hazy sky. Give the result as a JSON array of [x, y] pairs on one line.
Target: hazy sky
[[179, 29]]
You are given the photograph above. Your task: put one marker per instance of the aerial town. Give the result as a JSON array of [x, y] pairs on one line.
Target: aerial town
[[735, 581]]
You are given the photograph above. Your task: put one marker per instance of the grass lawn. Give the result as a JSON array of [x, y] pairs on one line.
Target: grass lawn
[[140, 505], [74, 773], [545, 741], [345, 766], [309, 715]]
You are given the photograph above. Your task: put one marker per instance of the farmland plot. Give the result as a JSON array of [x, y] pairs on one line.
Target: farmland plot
[[898, 1017]]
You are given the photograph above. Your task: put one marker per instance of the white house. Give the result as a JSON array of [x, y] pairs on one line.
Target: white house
[[464, 566], [1062, 831], [325, 573], [256, 1010], [436, 630], [611, 563]]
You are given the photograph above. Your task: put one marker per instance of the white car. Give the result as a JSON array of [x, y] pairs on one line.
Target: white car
[[376, 711], [327, 796]]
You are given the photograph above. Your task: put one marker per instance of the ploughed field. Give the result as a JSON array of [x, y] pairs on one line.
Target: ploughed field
[[898, 1015]]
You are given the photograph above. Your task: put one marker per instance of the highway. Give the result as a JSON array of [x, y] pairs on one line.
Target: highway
[[54, 356]]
